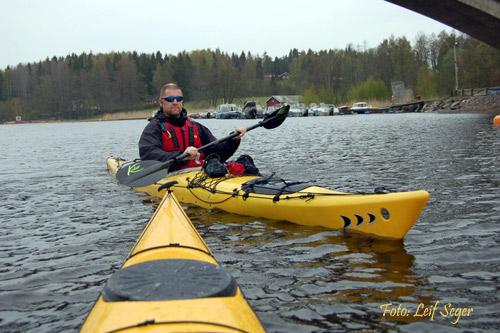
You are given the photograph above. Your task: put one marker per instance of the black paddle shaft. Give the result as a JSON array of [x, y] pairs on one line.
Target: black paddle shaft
[[143, 173]]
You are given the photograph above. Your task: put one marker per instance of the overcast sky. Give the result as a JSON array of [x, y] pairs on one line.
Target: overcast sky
[[33, 30]]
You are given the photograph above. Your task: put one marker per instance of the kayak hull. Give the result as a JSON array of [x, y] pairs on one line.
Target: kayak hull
[[389, 215], [170, 236]]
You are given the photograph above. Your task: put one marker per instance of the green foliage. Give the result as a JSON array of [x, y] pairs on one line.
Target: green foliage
[[427, 85], [310, 96], [85, 85], [14, 107], [446, 73], [327, 96], [370, 89], [485, 62], [395, 60], [2, 97]]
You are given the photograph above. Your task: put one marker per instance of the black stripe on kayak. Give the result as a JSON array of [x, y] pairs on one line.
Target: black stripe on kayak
[[347, 221], [153, 322], [170, 245], [359, 220]]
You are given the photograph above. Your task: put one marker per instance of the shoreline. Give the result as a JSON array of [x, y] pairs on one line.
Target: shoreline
[[488, 104], [114, 116]]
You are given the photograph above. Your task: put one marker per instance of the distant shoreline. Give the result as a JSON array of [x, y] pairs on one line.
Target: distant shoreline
[[489, 104], [132, 115], [122, 115]]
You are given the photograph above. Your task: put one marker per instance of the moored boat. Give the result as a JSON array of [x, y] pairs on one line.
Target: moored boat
[[321, 110], [361, 108], [252, 110], [228, 111], [296, 111], [344, 109]]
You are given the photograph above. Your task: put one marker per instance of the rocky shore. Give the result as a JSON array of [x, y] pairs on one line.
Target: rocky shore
[[481, 104]]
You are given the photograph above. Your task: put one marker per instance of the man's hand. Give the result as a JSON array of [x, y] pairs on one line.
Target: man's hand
[[192, 152], [241, 132]]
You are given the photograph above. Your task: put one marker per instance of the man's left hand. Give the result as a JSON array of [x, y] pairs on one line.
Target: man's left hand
[[241, 132]]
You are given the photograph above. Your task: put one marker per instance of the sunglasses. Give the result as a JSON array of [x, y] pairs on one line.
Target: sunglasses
[[170, 99]]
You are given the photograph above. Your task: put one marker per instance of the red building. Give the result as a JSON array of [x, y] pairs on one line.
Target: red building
[[274, 102]]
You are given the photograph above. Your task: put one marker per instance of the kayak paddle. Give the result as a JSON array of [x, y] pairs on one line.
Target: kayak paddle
[[144, 173]]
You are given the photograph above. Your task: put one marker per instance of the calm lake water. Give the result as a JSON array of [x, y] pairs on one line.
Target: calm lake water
[[67, 225]]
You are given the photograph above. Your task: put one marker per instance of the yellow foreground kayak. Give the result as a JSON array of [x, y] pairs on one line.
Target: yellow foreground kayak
[[385, 215], [171, 282]]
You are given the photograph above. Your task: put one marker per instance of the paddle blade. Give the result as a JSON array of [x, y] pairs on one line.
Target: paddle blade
[[149, 179], [276, 118], [131, 174]]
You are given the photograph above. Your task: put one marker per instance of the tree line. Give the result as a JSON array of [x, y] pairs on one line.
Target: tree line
[[84, 85]]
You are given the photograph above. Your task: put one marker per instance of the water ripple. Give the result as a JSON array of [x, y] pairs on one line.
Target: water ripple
[[66, 225]]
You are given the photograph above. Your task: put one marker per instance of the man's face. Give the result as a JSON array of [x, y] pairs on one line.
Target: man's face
[[173, 107]]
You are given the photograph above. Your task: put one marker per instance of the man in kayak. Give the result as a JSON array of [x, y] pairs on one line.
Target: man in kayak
[[170, 133]]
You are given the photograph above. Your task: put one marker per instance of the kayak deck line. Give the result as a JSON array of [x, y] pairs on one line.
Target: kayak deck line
[[190, 323], [157, 214], [171, 282], [175, 245], [381, 214], [308, 195]]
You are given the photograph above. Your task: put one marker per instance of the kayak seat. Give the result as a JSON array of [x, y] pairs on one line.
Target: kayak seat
[[170, 279], [273, 186]]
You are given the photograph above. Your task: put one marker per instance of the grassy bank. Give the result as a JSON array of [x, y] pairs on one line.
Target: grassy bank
[[204, 106], [192, 107], [135, 114]]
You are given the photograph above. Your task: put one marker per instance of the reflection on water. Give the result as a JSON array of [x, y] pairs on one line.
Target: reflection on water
[[319, 277], [66, 225]]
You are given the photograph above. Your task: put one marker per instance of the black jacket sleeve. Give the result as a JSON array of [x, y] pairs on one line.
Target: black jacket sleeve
[[224, 149], [150, 146]]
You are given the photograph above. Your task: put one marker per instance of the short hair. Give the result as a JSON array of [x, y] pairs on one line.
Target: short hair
[[168, 86]]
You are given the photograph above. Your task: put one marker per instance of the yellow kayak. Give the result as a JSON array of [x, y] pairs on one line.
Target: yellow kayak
[[385, 215], [171, 282]]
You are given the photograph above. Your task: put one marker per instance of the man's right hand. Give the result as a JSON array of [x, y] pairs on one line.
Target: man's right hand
[[192, 152]]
